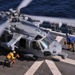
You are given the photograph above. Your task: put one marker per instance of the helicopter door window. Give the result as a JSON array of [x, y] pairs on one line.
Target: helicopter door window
[[35, 45], [23, 43], [3, 38]]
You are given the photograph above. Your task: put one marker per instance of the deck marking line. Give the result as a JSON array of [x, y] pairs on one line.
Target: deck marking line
[[53, 67], [34, 67], [67, 60]]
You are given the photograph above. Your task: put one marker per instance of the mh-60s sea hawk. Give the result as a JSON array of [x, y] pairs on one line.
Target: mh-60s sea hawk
[[17, 32]]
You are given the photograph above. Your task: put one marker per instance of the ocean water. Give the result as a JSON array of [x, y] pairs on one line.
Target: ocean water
[[53, 8]]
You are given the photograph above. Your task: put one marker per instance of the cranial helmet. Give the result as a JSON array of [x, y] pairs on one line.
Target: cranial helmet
[[14, 51]]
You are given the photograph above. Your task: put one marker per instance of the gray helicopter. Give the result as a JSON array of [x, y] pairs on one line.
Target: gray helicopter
[[17, 32]]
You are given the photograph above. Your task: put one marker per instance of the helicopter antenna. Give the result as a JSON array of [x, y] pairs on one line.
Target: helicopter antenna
[[24, 3]]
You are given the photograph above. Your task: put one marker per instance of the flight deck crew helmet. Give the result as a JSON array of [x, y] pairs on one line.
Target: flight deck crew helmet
[[14, 52]]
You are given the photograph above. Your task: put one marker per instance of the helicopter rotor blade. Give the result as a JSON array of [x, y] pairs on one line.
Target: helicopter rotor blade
[[3, 26], [53, 19], [24, 3]]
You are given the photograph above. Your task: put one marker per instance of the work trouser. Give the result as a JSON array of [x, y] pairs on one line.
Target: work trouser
[[11, 61]]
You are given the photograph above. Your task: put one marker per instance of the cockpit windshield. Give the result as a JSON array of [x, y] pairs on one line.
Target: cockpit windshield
[[45, 42]]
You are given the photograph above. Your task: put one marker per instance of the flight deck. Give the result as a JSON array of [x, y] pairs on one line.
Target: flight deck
[[24, 33], [54, 65]]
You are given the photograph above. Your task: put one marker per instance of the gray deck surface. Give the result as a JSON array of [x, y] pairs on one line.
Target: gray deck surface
[[22, 66]]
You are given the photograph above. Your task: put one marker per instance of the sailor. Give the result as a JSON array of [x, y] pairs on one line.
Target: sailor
[[11, 58], [70, 41]]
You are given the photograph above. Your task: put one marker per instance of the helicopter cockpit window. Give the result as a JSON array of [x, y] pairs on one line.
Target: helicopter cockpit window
[[35, 45], [45, 42], [38, 37]]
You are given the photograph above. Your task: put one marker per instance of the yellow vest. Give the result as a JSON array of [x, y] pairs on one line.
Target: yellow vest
[[10, 56]]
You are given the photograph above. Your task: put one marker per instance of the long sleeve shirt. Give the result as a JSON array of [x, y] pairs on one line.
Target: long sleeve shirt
[[70, 39]]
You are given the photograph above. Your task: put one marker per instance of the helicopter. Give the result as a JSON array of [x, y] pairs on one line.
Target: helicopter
[[19, 32]]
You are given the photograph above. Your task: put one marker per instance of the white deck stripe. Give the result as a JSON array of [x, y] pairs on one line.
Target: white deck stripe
[[59, 38], [53, 67], [34, 67], [67, 60]]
